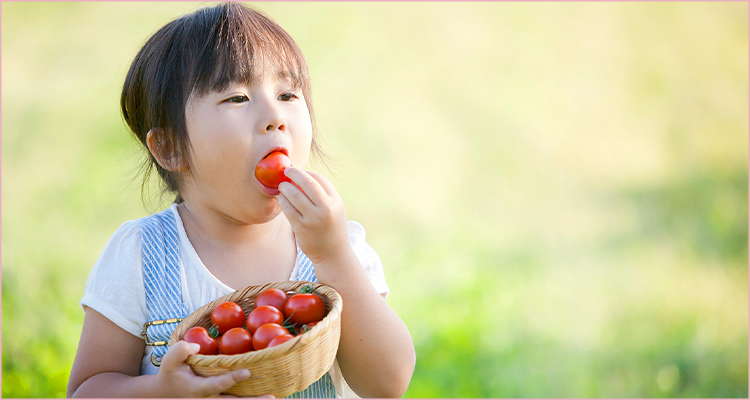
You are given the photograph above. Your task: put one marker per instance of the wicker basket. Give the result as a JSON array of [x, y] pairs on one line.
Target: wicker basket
[[280, 370]]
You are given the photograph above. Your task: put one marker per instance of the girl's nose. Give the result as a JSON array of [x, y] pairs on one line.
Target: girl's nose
[[277, 125], [273, 119]]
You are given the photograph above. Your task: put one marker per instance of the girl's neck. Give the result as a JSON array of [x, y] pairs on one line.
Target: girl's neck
[[240, 254], [219, 230]]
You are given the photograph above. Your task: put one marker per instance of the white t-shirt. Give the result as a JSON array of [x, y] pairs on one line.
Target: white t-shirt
[[116, 290]]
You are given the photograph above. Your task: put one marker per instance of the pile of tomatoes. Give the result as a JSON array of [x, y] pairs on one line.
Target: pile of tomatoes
[[275, 319]]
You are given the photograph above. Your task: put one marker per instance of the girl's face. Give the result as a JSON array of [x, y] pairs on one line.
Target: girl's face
[[230, 132]]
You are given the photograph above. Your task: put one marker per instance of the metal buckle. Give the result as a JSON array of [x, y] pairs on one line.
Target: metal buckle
[[157, 322], [154, 360]]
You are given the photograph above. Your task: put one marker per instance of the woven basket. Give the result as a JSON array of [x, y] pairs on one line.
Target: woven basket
[[280, 370]]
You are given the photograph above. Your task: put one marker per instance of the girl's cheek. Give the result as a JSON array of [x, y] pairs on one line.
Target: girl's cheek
[[302, 158]]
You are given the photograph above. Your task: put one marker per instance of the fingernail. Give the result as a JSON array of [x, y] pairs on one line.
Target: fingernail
[[244, 374], [195, 347]]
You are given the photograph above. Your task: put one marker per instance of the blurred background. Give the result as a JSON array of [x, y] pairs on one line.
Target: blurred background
[[558, 191]]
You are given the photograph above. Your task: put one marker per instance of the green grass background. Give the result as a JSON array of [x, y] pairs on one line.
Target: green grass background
[[558, 191]]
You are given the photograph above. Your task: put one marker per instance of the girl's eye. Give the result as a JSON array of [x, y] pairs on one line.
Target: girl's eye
[[287, 96], [238, 99]]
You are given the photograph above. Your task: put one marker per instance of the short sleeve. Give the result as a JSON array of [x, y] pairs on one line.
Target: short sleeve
[[115, 286], [369, 259]]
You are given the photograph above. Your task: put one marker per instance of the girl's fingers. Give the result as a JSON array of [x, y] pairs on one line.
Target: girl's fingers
[[309, 185], [295, 197], [324, 183], [287, 207], [217, 384], [178, 353]]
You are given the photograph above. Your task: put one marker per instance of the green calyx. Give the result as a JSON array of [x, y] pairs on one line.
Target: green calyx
[[213, 331]]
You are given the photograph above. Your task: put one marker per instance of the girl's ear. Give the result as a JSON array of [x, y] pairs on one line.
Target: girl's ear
[[164, 151]]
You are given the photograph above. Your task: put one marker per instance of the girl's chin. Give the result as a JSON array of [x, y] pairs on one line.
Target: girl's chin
[[271, 208]]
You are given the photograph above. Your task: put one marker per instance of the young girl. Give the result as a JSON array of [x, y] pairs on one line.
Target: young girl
[[210, 95]]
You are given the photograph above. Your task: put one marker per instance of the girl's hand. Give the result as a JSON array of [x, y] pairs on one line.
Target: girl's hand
[[316, 212], [177, 379]]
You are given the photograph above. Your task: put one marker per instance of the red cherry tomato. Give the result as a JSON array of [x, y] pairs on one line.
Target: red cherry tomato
[[227, 315], [265, 334], [270, 170], [303, 308], [263, 315], [236, 341], [199, 335], [272, 297], [280, 339]]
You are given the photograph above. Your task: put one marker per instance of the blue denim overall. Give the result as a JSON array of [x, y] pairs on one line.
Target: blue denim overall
[[161, 276]]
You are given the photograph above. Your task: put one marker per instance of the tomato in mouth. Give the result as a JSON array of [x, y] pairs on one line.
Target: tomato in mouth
[[270, 170]]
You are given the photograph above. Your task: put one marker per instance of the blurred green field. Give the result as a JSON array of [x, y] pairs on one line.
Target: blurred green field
[[558, 191]]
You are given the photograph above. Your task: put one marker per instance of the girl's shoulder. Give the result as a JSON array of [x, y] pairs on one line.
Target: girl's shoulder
[[125, 246], [125, 240], [129, 235], [115, 285]]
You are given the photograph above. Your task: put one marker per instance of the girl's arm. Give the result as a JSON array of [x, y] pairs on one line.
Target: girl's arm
[[108, 364], [376, 352]]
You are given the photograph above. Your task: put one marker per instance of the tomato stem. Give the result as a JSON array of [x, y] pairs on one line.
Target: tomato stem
[[213, 331]]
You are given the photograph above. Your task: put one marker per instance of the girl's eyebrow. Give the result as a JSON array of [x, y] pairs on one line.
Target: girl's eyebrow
[[285, 76]]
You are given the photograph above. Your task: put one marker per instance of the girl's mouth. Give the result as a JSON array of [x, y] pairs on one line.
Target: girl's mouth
[[281, 150]]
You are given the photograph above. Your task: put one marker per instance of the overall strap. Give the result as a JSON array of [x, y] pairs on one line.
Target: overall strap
[[306, 271], [161, 277], [323, 388]]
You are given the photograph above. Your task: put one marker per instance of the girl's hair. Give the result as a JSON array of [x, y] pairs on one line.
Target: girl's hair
[[199, 53]]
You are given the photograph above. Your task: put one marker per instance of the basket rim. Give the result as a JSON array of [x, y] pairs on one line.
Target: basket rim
[[250, 292]]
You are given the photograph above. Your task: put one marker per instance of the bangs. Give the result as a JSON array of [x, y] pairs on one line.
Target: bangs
[[242, 46]]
